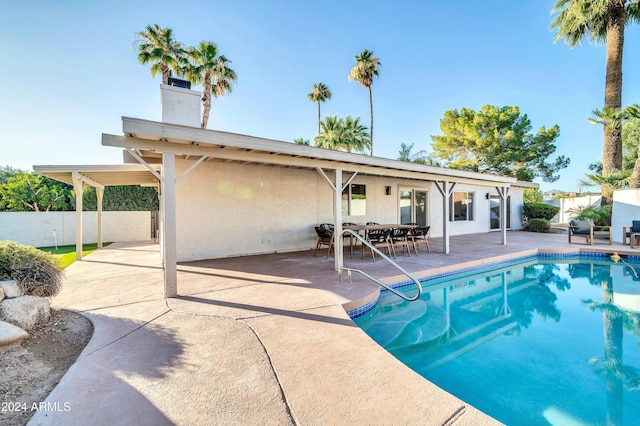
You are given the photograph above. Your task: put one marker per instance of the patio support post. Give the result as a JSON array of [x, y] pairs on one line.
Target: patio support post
[[78, 186], [503, 192], [99, 196], [445, 191], [337, 217], [169, 224]]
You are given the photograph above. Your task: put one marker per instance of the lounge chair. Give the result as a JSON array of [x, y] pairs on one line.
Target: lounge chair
[[628, 230], [589, 231]]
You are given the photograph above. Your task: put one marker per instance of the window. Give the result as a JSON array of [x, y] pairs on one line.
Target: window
[[354, 200], [461, 207]]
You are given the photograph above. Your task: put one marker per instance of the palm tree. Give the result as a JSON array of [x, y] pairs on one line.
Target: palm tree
[[157, 46], [330, 134], [343, 134], [611, 119], [302, 141], [355, 136], [363, 72], [405, 154], [212, 70], [320, 93], [601, 21]]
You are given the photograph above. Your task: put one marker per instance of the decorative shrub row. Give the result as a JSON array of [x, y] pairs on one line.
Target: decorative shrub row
[[38, 273]]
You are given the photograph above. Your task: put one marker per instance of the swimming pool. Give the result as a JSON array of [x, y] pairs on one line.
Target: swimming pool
[[550, 339]]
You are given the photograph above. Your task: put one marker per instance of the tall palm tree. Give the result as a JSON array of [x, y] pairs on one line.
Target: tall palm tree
[[212, 70], [601, 21], [363, 72], [320, 93], [158, 46]]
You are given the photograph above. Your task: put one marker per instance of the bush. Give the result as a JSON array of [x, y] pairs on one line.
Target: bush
[[38, 273], [538, 225], [600, 216], [540, 211]]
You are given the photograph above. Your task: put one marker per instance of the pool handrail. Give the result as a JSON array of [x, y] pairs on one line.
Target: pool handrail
[[375, 280]]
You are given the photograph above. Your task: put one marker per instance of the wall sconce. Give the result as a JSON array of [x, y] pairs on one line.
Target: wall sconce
[[487, 196], [387, 190]]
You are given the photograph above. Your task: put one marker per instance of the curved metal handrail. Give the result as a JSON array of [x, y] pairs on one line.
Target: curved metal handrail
[[375, 280]]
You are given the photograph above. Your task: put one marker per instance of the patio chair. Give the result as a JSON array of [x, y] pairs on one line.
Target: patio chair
[[628, 230], [420, 235], [587, 230], [325, 238], [400, 238], [380, 239]]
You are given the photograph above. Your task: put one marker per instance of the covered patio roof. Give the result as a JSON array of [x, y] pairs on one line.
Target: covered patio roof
[[149, 139], [105, 175]]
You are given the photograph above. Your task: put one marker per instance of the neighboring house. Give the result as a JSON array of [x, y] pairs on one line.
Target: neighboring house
[[226, 194]]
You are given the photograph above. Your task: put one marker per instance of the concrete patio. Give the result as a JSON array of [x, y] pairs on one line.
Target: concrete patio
[[252, 340]]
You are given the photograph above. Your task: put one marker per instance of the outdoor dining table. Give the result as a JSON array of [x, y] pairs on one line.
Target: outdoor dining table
[[367, 228]]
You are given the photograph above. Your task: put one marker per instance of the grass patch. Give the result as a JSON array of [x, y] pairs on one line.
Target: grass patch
[[67, 254]]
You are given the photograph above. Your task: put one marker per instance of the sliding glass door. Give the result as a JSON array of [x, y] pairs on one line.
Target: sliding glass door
[[495, 220], [413, 206]]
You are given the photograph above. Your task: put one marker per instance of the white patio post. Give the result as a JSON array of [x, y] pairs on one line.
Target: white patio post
[[99, 196], [337, 217], [503, 192], [78, 186], [446, 192], [169, 224]]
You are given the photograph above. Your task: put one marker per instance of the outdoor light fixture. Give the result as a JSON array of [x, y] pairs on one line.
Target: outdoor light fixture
[[387, 190]]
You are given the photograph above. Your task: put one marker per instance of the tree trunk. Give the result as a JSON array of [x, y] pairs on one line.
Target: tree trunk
[[634, 180], [371, 121], [206, 100], [612, 153], [166, 73], [612, 146], [318, 117]]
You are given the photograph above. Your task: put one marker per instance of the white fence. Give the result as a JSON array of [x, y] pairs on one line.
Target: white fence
[[566, 204], [626, 209], [44, 229]]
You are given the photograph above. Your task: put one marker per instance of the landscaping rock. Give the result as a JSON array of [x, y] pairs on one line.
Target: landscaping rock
[[10, 335], [26, 311], [11, 289], [1, 293]]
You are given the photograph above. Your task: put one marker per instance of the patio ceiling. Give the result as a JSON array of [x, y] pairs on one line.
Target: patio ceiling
[[149, 139]]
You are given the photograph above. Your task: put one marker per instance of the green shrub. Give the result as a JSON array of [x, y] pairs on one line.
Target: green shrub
[[600, 215], [37, 273], [538, 225], [540, 211]]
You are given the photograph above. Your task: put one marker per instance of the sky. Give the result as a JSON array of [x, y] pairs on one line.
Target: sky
[[70, 71]]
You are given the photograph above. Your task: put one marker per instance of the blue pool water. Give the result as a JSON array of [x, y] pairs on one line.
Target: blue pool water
[[537, 342]]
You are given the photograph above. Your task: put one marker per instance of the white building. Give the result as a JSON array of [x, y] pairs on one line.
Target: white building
[[225, 194]]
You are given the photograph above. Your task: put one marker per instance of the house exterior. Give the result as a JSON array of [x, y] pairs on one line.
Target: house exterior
[[225, 194]]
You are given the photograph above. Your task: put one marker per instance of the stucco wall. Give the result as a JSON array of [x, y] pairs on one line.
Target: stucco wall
[[229, 209], [626, 208], [37, 229]]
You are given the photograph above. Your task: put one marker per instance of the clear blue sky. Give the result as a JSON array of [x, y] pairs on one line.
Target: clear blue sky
[[69, 71]]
